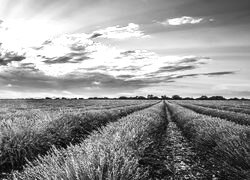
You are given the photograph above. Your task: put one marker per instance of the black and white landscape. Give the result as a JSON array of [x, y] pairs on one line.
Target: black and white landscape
[[124, 89]]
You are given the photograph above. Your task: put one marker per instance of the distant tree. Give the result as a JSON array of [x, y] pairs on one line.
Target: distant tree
[[202, 98], [150, 96], [155, 97], [47, 98], [93, 98], [235, 98], [64, 98], [81, 98], [188, 98], [243, 99], [123, 97], [164, 97], [217, 98], [176, 97], [140, 97]]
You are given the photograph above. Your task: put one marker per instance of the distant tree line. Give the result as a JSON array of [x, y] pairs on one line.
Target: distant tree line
[[153, 97]]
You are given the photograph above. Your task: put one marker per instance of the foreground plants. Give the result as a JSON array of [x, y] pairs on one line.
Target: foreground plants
[[229, 141], [238, 118], [113, 152], [19, 145]]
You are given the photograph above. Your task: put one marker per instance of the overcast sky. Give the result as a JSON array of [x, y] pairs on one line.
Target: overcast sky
[[82, 48]]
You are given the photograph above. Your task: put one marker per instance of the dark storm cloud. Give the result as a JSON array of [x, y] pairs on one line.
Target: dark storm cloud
[[188, 63], [152, 78], [194, 59], [187, 75], [64, 59], [174, 69], [205, 74], [7, 58], [220, 73], [95, 35], [59, 60], [74, 57], [189, 60], [27, 79]]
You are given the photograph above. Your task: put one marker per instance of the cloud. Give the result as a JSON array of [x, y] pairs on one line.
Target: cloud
[[125, 76], [8, 57], [26, 80], [219, 73], [176, 68], [129, 52], [115, 76], [192, 59], [95, 35], [78, 63], [66, 59], [117, 32], [182, 21]]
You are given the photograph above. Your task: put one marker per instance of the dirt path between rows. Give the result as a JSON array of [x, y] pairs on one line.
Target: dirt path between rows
[[172, 157]]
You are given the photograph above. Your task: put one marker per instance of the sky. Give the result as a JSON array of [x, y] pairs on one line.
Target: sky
[[112, 48]]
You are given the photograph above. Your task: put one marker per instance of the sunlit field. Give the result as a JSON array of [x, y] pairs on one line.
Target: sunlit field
[[124, 139], [124, 90]]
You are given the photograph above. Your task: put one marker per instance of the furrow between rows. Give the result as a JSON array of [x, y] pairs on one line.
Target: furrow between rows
[[172, 156]]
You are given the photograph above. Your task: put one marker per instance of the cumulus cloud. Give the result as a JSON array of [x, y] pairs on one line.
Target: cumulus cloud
[[77, 62], [78, 53], [7, 57], [182, 20], [119, 32]]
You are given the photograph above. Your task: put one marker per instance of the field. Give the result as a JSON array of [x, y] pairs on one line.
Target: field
[[124, 139]]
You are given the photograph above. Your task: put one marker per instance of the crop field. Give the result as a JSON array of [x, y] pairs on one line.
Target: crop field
[[124, 139]]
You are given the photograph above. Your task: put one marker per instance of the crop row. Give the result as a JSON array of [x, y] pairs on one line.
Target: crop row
[[19, 145], [227, 108], [113, 152], [239, 118], [235, 104], [227, 140], [20, 109]]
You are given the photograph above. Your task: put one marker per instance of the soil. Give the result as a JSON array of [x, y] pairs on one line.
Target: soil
[[171, 156]]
